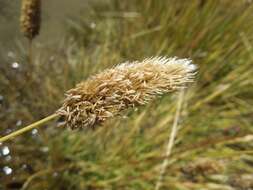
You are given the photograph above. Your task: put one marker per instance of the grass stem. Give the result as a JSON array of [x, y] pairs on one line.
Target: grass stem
[[28, 128], [171, 140], [30, 56]]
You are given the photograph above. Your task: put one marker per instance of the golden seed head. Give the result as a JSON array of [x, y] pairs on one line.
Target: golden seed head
[[30, 18], [127, 85]]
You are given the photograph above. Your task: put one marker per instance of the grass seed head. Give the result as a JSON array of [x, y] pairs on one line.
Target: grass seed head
[[30, 18], [126, 85]]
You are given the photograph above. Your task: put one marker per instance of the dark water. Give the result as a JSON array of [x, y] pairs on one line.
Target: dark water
[[54, 19], [55, 14]]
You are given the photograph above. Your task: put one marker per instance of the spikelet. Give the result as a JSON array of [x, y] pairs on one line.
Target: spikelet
[[30, 18], [127, 85]]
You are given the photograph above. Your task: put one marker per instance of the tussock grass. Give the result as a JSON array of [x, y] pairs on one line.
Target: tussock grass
[[30, 18], [213, 146], [124, 86]]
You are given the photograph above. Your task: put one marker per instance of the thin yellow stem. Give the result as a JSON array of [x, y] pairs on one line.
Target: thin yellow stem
[[30, 56], [171, 140], [29, 127]]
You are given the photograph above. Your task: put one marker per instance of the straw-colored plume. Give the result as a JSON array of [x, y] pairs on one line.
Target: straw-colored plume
[[30, 18], [127, 85]]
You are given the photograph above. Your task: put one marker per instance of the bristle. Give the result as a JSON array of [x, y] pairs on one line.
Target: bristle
[[30, 18], [127, 85]]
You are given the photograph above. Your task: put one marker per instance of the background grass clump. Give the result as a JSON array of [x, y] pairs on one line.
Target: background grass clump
[[213, 148]]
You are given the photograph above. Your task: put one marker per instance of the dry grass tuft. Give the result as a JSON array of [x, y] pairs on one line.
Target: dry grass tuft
[[126, 85], [30, 18]]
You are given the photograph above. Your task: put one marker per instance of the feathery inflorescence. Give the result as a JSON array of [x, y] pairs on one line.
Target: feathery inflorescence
[[30, 18], [126, 85]]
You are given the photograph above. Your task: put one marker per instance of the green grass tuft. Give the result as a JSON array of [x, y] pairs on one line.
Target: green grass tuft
[[213, 148]]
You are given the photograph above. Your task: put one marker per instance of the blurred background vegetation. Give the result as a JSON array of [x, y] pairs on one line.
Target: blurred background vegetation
[[214, 146]]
